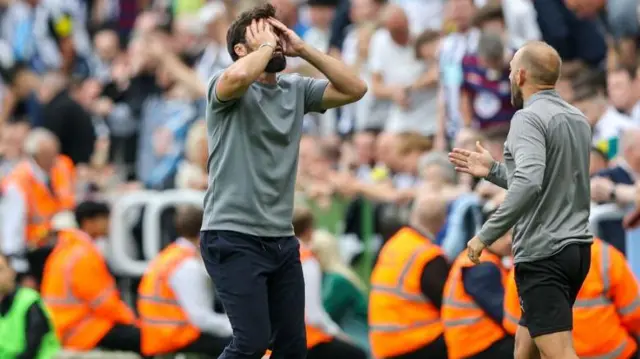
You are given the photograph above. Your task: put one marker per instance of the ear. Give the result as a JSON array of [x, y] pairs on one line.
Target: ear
[[521, 77], [240, 50]]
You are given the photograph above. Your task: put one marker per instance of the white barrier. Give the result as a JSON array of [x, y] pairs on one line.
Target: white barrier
[[604, 212], [151, 241]]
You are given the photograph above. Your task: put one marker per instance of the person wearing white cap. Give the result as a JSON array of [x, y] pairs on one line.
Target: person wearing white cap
[[212, 17]]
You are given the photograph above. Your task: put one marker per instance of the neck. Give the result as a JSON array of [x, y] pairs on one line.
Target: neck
[[528, 91], [268, 78], [424, 228]]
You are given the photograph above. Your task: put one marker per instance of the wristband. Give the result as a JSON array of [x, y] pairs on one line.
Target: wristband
[[266, 44]]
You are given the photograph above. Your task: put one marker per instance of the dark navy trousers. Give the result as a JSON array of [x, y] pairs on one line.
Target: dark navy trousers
[[260, 283]]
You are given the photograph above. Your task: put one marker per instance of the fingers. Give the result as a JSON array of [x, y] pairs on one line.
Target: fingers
[[277, 24], [463, 170], [460, 152], [473, 256], [479, 147]]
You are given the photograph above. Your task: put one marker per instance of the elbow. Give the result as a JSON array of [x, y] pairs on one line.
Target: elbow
[[360, 90], [235, 78]]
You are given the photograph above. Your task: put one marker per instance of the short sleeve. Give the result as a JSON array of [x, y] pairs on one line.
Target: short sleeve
[[214, 102], [313, 90]]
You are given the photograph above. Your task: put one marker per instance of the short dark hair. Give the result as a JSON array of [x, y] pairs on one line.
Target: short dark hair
[[489, 12], [188, 221], [629, 70], [237, 30], [426, 37], [303, 220], [88, 210]]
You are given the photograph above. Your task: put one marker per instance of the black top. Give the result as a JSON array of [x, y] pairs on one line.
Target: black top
[[37, 326]]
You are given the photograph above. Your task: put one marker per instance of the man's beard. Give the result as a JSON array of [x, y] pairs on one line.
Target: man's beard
[[516, 97], [277, 64]]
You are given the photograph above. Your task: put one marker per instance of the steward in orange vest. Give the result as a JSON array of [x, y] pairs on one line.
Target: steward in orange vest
[[406, 296], [325, 339], [606, 315], [42, 200], [81, 294], [472, 309], [166, 326]]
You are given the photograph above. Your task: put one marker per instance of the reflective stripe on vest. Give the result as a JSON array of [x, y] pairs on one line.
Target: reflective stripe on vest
[[398, 291], [157, 298], [603, 298], [69, 299]]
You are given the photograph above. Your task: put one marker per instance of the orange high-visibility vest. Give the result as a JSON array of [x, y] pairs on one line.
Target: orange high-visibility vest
[[315, 335], [164, 325], [80, 292], [41, 204], [608, 299], [401, 319], [468, 330]]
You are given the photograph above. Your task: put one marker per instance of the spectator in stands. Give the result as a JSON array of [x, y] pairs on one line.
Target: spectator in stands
[[27, 331], [40, 187], [11, 141], [176, 289], [343, 292], [462, 41], [520, 18], [616, 184], [608, 299], [621, 19], [212, 17], [486, 93], [320, 14], [476, 293], [21, 101], [81, 293], [192, 171], [398, 76], [67, 119], [107, 49], [355, 53], [579, 41], [325, 339], [407, 285], [606, 122], [620, 87]]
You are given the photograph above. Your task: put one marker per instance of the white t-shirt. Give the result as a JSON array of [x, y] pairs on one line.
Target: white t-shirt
[[423, 14], [398, 66], [360, 111], [611, 125]]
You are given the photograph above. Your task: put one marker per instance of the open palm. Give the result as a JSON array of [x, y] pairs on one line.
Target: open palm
[[476, 163]]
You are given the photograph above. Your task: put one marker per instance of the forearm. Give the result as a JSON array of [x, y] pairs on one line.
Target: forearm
[[184, 75], [625, 194], [380, 91], [498, 175], [338, 73], [428, 79], [246, 70]]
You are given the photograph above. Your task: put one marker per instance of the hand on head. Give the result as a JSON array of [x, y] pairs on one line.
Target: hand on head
[[260, 33]]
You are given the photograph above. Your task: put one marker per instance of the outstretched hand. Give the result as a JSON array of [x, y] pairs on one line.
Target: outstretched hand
[[293, 44], [476, 163]]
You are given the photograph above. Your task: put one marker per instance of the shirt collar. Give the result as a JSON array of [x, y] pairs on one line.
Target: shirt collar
[[541, 94], [38, 172]]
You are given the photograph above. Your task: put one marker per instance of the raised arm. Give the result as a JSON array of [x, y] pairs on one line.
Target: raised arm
[[237, 78], [344, 85]]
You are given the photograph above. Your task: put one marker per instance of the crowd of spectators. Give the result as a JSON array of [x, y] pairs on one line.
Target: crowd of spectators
[[122, 86]]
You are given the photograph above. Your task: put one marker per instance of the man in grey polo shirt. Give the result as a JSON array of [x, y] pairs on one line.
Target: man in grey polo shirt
[[254, 124], [546, 174]]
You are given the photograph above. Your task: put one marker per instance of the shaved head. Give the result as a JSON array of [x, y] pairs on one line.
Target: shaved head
[[535, 66], [541, 61]]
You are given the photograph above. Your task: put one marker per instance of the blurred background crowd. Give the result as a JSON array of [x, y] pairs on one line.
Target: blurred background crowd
[[119, 88]]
